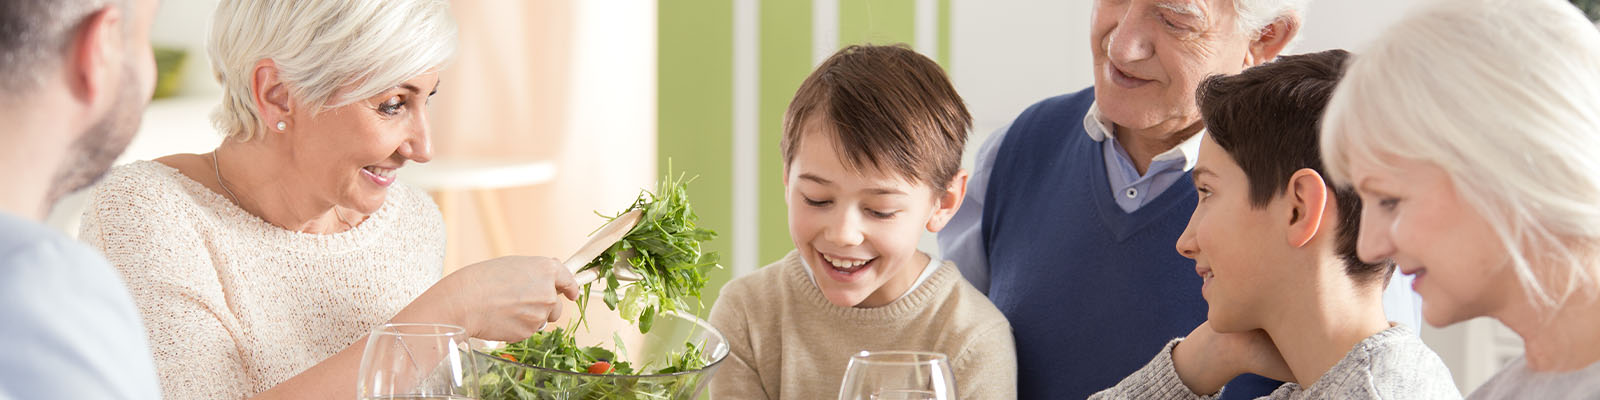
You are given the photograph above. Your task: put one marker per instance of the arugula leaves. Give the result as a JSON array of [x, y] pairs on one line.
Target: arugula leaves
[[664, 248]]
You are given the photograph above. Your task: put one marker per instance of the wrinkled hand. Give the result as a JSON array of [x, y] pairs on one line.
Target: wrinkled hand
[[504, 299], [1206, 360]]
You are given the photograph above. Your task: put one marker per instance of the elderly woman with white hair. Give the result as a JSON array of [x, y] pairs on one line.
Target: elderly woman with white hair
[[1071, 210], [260, 267], [1472, 133], [1471, 130]]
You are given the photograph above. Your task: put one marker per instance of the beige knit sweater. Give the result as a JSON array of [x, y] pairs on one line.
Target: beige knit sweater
[[235, 305], [789, 342]]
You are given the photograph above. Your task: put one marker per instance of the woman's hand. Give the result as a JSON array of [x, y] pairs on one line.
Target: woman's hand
[[505, 299], [1207, 360]]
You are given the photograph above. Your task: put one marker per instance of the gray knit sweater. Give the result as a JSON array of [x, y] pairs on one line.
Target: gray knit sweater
[[1516, 381], [1392, 364]]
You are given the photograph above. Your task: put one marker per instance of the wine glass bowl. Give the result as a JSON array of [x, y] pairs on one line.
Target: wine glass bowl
[[898, 375], [416, 361]]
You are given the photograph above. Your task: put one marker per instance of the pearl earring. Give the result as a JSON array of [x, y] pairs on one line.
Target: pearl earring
[[283, 125]]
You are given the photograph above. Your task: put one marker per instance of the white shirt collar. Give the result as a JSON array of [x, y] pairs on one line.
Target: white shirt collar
[[1188, 151]]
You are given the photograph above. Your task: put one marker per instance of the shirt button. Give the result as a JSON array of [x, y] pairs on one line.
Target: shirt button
[[1132, 193]]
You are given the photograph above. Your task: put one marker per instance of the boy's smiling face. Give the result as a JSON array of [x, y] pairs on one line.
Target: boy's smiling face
[[858, 230], [1240, 251]]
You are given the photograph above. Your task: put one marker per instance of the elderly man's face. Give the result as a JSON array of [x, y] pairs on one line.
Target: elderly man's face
[[1149, 55]]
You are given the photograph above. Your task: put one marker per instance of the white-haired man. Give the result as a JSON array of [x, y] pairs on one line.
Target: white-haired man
[[1088, 278], [75, 77]]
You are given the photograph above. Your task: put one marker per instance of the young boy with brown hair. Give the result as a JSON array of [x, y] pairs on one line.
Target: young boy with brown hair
[[872, 158]]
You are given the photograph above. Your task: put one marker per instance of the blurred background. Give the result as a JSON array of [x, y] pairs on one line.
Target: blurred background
[[556, 109]]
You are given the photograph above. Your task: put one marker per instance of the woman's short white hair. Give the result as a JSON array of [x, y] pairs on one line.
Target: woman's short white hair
[[329, 53], [1253, 16], [1504, 96]]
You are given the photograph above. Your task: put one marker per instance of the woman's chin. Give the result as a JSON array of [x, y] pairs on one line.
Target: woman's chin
[[1439, 316], [369, 204]]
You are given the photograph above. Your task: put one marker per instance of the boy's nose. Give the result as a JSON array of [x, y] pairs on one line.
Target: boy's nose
[[1186, 243], [847, 232]]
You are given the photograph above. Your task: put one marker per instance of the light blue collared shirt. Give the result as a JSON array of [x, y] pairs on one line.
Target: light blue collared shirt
[[961, 240], [1132, 190]]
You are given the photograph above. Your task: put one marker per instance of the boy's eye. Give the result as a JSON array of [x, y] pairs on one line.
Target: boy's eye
[[879, 214], [1388, 203], [816, 203], [1203, 191]]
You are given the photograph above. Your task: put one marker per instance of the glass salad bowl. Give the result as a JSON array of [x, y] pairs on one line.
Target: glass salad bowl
[[675, 335]]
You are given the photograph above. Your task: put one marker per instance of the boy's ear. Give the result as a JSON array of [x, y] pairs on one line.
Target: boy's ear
[[948, 202], [1308, 200]]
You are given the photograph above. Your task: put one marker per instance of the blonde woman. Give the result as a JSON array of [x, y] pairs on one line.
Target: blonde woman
[[1471, 131], [260, 267]]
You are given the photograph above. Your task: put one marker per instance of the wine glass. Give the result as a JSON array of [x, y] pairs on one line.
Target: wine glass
[[898, 375], [416, 361]]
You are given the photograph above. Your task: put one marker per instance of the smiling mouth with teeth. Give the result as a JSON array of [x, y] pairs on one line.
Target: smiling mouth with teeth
[[846, 265], [386, 173]]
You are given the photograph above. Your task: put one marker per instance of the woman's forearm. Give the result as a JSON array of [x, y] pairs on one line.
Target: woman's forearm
[[335, 377]]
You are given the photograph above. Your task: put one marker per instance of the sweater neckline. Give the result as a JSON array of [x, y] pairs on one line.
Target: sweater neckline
[[938, 285], [1361, 354], [251, 225]]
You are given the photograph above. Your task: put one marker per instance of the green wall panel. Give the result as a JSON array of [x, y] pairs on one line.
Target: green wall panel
[[695, 113], [785, 61]]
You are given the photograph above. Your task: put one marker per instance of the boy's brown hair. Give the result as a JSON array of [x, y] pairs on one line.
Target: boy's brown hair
[[888, 109], [1268, 119]]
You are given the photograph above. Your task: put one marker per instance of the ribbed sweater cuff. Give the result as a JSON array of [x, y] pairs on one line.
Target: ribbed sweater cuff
[[1158, 380]]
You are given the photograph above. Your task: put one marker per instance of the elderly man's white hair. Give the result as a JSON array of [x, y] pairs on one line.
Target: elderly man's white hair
[[1504, 96], [328, 52], [1253, 16]]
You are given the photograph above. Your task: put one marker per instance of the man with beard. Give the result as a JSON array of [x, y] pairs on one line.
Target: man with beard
[[75, 75]]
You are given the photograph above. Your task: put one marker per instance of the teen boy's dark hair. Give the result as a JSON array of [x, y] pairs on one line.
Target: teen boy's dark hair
[[888, 109], [1268, 118]]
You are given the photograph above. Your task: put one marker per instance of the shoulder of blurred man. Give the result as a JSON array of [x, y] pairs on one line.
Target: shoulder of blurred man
[[71, 327]]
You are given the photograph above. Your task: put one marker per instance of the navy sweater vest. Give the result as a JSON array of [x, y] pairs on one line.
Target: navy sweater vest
[[1092, 292]]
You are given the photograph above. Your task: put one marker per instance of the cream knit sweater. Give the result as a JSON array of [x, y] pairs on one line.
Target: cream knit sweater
[[789, 342], [235, 305]]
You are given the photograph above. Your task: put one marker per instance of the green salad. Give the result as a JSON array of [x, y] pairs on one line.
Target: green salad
[[664, 249]]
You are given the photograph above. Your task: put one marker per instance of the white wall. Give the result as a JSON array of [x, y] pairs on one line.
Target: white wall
[[1006, 55]]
